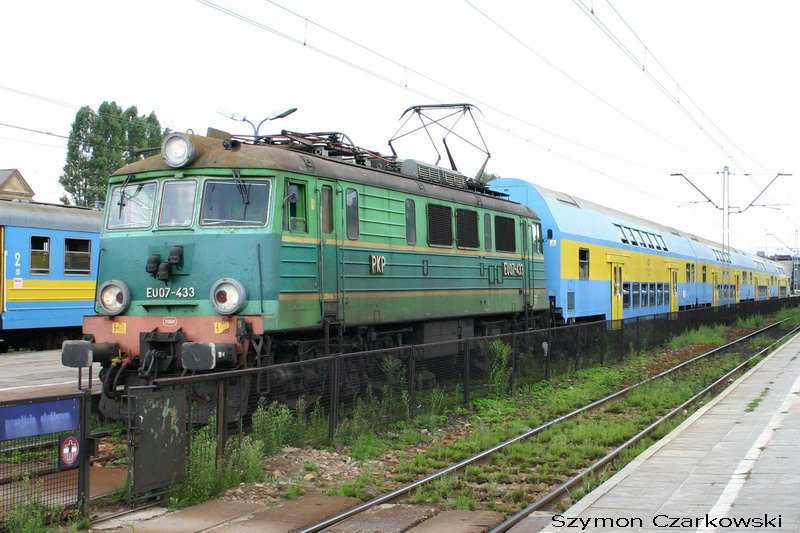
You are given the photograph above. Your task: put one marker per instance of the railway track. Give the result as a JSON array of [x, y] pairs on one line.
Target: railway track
[[551, 498]]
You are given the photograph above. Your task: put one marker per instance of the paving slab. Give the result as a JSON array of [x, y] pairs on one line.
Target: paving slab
[[105, 481], [289, 516], [459, 522], [386, 518]]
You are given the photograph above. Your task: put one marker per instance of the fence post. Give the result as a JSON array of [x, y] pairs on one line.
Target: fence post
[[638, 339], [83, 470], [222, 418], [513, 375], [412, 376], [465, 374], [333, 411]]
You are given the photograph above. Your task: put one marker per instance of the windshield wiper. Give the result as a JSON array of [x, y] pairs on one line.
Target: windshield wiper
[[244, 189]]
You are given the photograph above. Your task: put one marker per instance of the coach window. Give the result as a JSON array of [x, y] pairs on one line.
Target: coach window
[[626, 295], [77, 257], [704, 274], [631, 237], [653, 295], [661, 240], [177, 204], [635, 292], [411, 222], [40, 255], [467, 229], [351, 213], [583, 263], [505, 235], [440, 225], [659, 295], [649, 238], [622, 238]]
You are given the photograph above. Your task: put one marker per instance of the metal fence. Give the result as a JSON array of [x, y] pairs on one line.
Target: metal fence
[[43, 467], [339, 397]]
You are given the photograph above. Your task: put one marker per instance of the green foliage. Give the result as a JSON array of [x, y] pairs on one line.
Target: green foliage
[[751, 322], [293, 492], [101, 142], [271, 425], [498, 354], [486, 177], [205, 478], [394, 397], [714, 335]]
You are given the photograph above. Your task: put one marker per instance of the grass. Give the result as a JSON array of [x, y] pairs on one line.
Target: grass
[[205, 478], [753, 404]]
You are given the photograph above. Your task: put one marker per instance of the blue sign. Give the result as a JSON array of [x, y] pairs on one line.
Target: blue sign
[[35, 419]]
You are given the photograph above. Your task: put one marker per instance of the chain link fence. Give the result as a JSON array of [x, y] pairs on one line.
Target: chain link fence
[[340, 398]]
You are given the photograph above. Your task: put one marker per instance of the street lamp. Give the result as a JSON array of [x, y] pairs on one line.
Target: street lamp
[[272, 116]]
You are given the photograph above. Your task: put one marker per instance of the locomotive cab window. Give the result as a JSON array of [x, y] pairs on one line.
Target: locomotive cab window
[[505, 234], [440, 225], [40, 255], [77, 257], [131, 206], [234, 203], [177, 204], [583, 263], [466, 229]]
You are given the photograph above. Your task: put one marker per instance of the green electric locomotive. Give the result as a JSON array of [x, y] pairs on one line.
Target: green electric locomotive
[[225, 252]]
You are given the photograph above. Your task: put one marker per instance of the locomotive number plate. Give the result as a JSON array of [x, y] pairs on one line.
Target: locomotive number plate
[[166, 292]]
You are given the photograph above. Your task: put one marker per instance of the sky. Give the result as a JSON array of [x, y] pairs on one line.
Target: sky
[[601, 99]]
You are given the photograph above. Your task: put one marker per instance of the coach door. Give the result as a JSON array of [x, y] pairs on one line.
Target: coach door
[[329, 222], [714, 289], [616, 291], [673, 290]]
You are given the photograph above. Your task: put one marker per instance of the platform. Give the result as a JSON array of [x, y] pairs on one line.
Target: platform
[[734, 465]]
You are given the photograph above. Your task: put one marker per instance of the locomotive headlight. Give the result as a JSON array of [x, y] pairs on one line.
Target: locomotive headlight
[[227, 296], [177, 149], [114, 297]]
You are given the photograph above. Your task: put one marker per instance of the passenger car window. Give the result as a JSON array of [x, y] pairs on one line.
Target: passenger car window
[[77, 257], [40, 255]]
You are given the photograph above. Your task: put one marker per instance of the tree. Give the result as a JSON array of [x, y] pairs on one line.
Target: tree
[[101, 142], [486, 177]]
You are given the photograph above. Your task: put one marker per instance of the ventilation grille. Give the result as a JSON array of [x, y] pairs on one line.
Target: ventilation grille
[[433, 174]]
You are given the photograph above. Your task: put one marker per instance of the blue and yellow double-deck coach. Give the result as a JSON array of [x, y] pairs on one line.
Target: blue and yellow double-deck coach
[[602, 264]]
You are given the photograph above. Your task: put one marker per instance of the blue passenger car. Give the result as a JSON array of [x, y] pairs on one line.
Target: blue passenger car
[[49, 266], [602, 264]]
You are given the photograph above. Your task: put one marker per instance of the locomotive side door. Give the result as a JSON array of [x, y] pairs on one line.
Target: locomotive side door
[[329, 222]]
